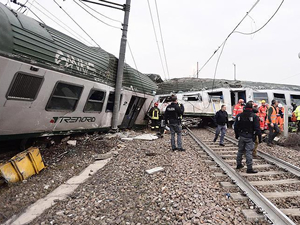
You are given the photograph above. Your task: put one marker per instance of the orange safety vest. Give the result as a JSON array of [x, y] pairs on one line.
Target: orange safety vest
[[238, 108], [273, 116]]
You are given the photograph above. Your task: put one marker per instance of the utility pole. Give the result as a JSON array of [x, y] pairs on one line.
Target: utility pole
[[234, 70], [197, 69], [119, 78]]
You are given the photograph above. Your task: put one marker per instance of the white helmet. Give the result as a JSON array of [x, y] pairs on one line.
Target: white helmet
[[280, 105]]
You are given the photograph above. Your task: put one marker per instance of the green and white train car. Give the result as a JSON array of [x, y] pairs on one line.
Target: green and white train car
[[51, 83]]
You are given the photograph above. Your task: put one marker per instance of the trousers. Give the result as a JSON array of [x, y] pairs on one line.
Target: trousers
[[273, 131], [222, 129], [245, 145], [175, 129]]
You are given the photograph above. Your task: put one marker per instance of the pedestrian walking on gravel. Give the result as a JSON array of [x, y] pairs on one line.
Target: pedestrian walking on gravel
[[246, 129], [173, 116], [221, 120], [272, 121]]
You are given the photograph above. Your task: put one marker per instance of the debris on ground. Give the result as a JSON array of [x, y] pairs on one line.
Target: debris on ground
[[154, 170], [72, 142]]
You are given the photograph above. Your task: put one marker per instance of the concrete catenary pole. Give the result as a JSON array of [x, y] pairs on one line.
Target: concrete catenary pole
[[286, 122], [119, 78]]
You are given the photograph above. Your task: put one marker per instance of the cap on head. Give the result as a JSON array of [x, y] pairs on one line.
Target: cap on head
[[156, 104], [280, 105], [263, 101], [241, 100], [173, 98]]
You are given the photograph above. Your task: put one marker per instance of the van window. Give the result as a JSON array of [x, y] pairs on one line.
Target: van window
[[280, 98], [192, 98], [24, 87], [95, 101], [259, 96], [64, 97]]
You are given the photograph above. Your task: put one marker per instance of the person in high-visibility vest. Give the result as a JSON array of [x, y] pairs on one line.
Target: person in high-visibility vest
[[280, 117], [297, 114], [262, 114], [272, 122], [154, 114], [238, 108], [256, 138]]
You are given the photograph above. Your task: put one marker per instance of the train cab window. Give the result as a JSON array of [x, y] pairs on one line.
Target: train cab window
[[111, 101], [280, 98], [95, 101], [295, 99], [259, 96], [64, 97], [216, 96], [192, 98], [24, 87]]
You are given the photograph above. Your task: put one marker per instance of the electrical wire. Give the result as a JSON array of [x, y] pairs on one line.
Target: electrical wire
[[156, 39], [247, 13], [35, 14], [264, 24], [99, 12], [217, 64], [77, 24], [162, 40], [132, 55], [70, 31], [95, 16]]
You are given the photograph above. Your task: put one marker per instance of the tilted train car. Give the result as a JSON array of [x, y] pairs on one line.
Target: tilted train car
[[203, 97], [51, 83]]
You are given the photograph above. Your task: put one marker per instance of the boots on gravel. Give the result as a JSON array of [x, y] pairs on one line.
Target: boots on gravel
[[239, 166], [251, 171]]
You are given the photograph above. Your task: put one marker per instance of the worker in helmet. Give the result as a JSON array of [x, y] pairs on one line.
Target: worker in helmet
[[262, 114], [154, 115], [280, 117], [238, 108]]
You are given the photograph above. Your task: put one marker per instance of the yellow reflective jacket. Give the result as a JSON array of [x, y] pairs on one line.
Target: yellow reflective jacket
[[297, 112]]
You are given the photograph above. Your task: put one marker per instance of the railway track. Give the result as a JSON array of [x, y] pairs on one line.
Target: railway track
[[273, 172]]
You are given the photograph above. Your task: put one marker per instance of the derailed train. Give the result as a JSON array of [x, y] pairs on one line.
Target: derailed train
[[203, 97], [51, 83]]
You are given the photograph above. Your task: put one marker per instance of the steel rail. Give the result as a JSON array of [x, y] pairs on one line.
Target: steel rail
[[267, 207], [271, 159]]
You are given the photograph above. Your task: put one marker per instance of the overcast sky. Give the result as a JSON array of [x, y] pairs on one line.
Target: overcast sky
[[192, 31]]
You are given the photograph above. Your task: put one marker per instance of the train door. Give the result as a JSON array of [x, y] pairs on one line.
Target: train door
[[236, 95], [132, 112]]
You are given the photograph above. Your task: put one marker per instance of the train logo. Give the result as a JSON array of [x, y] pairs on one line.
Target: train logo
[[67, 119]]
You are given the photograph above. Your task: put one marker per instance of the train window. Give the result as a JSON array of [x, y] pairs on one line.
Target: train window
[[24, 87], [259, 96], [216, 96], [95, 101], [295, 99], [280, 98], [111, 101], [165, 99], [192, 98], [64, 97]]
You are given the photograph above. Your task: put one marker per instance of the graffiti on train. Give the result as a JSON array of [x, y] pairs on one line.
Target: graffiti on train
[[71, 62], [67, 119]]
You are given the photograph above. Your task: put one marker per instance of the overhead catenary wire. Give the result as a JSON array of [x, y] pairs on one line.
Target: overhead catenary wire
[[229, 35], [76, 23], [156, 39], [239, 32], [100, 13], [95, 16], [162, 40]]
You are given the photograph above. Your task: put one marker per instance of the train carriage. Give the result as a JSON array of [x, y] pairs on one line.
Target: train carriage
[[51, 83]]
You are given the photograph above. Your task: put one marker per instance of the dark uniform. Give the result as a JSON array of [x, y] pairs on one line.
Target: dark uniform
[[173, 115], [246, 129]]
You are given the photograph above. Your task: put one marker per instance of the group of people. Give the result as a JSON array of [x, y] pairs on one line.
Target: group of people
[[250, 121], [172, 117]]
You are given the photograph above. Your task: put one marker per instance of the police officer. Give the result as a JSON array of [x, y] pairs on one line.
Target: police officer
[[173, 115], [246, 128], [154, 115]]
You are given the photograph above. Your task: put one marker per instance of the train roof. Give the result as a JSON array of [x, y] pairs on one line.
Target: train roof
[[199, 84], [25, 39]]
